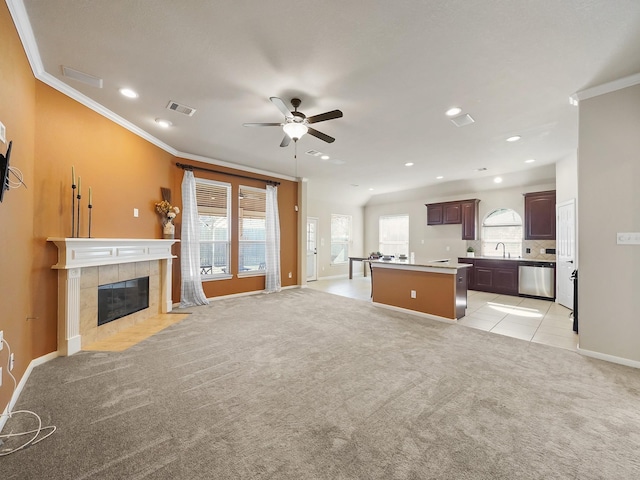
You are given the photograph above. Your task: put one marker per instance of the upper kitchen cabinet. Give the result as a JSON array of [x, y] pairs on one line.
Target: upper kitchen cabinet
[[540, 215], [469, 209], [463, 212]]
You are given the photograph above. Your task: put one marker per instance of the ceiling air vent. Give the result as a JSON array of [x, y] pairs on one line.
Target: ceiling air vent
[[176, 107], [313, 153], [81, 77], [462, 120]]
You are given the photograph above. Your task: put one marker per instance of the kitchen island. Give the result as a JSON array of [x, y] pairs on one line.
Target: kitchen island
[[436, 289]]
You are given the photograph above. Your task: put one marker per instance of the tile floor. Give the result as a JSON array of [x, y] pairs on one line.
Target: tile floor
[[533, 320]]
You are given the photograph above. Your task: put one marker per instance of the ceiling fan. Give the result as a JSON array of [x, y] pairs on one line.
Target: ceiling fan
[[296, 123]]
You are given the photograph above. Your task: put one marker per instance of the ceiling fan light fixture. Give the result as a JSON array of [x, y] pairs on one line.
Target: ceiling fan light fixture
[[295, 130]]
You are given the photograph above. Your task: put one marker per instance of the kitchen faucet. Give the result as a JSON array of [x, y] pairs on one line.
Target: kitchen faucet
[[503, 248]]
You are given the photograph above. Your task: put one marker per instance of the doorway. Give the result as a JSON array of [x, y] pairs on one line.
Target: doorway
[[566, 251], [312, 249]]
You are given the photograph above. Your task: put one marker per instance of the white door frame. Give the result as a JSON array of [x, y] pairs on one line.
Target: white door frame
[[565, 251], [312, 255]]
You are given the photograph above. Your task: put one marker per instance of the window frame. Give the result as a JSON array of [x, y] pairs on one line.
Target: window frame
[[207, 277], [511, 246], [403, 243], [257, 272], [346, 243]]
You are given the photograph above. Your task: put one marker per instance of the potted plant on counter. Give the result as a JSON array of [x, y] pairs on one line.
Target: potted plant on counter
[[470, 252]]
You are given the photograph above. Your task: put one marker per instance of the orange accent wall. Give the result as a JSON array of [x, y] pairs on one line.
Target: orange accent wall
[[435, 292], [17, 113], [51, 132], [287, 199]]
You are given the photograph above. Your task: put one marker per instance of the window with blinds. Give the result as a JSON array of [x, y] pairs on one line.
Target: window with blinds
[[214, 203], [393, 233], [252, 230], [502, 226]]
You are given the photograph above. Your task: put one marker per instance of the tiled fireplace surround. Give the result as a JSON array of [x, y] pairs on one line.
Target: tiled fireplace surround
[[84, 264]]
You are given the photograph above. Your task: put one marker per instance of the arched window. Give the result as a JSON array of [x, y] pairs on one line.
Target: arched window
[[502, 225]]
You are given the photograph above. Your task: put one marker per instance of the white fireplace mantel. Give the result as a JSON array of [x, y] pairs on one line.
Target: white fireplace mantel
[[77, 253]]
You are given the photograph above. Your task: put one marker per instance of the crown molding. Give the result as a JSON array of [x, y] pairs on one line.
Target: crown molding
[[25, 32], [605, 88]]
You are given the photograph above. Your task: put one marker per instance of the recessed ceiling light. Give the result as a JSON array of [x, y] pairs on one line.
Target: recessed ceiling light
[[439, 177], [531, 160], [408, 164], [163, 123], [498, 180], [515, 138], [325, 157], [371, 189], [127, 92], [452, 112]]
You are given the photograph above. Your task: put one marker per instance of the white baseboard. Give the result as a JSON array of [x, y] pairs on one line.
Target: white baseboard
[[414, 312], [608, 358], [23, 381]]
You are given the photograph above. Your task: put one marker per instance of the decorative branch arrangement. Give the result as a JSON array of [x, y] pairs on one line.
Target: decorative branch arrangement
[[75, 210]]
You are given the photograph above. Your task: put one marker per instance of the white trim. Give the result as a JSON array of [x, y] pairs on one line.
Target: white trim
[[93, 252], [608, 87], [608, 358], [25, 32], [415, 312], [23, 381]]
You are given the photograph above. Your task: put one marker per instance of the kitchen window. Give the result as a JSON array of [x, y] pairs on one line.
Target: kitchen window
[[502, 226], [214, 201], [340, 238], [393, 232]]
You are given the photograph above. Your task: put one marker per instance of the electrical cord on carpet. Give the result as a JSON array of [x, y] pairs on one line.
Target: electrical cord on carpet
[[32, 440]]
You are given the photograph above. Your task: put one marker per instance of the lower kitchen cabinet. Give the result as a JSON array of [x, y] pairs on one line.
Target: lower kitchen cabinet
[[496, 276]]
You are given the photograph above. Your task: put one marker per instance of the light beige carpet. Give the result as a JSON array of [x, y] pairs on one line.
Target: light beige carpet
[[308, 385]]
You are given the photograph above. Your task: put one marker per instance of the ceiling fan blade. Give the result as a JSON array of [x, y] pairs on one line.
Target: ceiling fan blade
[[320, 135], [262, 124], [285, 141], [325, 116], [281, 106]]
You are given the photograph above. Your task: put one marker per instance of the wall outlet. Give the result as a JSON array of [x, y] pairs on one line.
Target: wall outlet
[[413, 294], [1, 338], [290, 275], [0, 376], [11, 358], [135, 212], [542, 251], [3, 133]]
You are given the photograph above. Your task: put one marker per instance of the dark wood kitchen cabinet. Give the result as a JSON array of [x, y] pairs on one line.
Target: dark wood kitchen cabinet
[[496, 276], [463, 212], [469, 209], [447, 213], [540, 215]]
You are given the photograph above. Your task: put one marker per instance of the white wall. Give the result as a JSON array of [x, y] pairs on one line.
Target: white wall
[[567, 178], [608, 178], [431, 242], [322, 210]]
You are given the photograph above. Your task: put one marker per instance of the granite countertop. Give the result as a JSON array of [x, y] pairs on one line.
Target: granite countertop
[[512, 259], [443, 263]]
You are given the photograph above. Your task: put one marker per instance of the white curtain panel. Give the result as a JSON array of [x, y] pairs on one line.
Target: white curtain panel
[[272, 250], [191, 292]]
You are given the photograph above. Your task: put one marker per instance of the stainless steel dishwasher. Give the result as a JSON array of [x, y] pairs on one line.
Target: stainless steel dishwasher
[[537, 279]]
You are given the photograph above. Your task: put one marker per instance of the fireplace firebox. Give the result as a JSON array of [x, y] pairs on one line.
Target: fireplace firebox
[[117, 300]]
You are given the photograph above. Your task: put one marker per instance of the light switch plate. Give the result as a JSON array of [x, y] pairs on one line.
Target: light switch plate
[[628, 238], [3, 133], [1, 338]]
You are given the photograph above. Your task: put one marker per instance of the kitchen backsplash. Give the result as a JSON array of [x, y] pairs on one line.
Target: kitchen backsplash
[[534, 246]]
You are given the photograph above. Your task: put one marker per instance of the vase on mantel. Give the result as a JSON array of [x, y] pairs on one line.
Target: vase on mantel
[[169, 229]]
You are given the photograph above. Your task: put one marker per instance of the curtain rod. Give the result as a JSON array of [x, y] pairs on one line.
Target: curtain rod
[[191, 167]]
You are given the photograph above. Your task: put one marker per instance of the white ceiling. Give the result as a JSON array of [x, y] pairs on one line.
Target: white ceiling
[[392, 67]]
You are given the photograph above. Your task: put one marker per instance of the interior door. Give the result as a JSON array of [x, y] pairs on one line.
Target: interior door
[[312, 249], [566, 251]]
